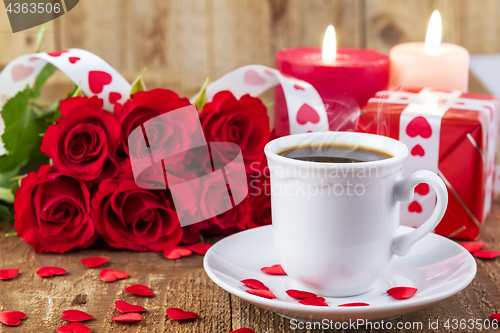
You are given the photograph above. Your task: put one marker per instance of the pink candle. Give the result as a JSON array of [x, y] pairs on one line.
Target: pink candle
[[431, 64]]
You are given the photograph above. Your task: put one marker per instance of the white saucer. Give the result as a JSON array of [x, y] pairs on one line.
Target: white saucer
[[436, 266]]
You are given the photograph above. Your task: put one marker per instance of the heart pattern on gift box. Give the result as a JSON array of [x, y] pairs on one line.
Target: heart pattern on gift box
[[97, 81], [20, 72], [419, 126], [307, 114], [418, 150], [253, 78]]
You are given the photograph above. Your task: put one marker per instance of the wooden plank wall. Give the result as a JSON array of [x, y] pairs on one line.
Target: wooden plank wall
[[183, 41]]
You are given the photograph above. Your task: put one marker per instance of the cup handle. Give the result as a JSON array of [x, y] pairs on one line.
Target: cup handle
[[402, 244]]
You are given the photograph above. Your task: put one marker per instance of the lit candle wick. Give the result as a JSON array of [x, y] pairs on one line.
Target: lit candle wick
[[434, 32], [329, 52]]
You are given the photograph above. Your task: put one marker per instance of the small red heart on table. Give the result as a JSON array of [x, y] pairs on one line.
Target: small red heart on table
[[48, 271], [314, 301], [415, 207], [110, 275], [179, 314], [418, 150], [75, 315], [74, 328], [243, 330], [8, 273], [128, 317], [274, 270], [419, 126], [57, 53], [125, 307], [176, 252], [114, 96], [495, 316], [200, 248], [92, 262], [11, 318], [261, 293], [402, 292], [297, 87], [491, 254], [354, 304], [73, 60], [140, 289], [422, 189], [97, 81], [473, 246], [253, 78], [20, 72], [298, 294], [307, 114], [254, 284]]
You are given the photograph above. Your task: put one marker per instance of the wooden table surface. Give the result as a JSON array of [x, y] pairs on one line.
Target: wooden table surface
[[183, 283]]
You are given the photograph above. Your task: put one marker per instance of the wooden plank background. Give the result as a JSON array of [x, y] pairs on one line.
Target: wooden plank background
[[183, 41]]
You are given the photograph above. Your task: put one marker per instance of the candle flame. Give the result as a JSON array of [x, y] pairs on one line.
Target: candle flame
[[329, 52], [434, 32]]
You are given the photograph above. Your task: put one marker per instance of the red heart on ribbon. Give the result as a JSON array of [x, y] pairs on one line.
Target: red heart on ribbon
[[8, 273], [75, 316], [418, 151], [402, 292], [179, 314], [73, 60], [307, 114], [92, 262], [114, 96], [110, 275], [254, 284], [415, 207], [354, 304], [74, 328], [200, 248], [125, 307], [57, 53], [419, 126], [314, 301], [140, 289], [48, 271], [11, 318], [274, 270], [128, 317], [262, 293], [298, 294], [176, 252], [422, 189], [97, 81], [473, 246], [20, 72], [253, 78], [297, 87]]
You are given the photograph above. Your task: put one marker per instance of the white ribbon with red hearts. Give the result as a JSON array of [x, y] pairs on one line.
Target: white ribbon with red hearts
[[306, 110], [94, 75], [424, 111]]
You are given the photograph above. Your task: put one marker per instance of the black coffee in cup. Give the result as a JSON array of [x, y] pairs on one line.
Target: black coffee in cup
[[334, 153]]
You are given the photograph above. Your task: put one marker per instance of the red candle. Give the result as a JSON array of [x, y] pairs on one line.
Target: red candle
[[345, 80]]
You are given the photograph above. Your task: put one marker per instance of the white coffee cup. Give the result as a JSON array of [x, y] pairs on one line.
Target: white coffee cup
[[335, 224]]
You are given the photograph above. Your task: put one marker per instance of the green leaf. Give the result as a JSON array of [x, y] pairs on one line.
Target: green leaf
[[14, 189], [6, 179], [11, 234], [6, 195], [138, 84], [201, 98], [42, 77], [5, 214], [39, 37], [72, 92]]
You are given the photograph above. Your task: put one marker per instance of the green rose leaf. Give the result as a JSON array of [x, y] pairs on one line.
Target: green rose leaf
[[5, 214], [42, 77]]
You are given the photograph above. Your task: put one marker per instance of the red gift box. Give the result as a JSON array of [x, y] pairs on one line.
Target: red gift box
[[451, 133]]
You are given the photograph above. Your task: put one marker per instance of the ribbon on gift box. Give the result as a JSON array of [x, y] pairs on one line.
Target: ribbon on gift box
[[420, 129]]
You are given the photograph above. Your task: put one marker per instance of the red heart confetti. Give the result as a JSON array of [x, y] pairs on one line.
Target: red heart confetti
[[94, 261], [57, 53], [354, 304], [419, 126], [402, 292], [114, 97], [273, 270], [261, 293], [74, 328], [298, 294], [243, 330], [415, 207], [418, 150], [422, 189], [140, 289], [128, 317], [473, 246], [97, 81], [11, 318], [8, 273], [495, 316], [75, 315], [110, 275], [255, 284], [176, 252], [314, 301], [307, 114], [200, 248], [125, 307], [179, 314], [73, 60], [48, 271], [486, 254]]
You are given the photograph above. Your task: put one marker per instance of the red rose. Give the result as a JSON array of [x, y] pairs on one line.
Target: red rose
[[226, 222], [243, 122], [144, 106], [260, 200], [53, 212], [81, 141], [130, 217]]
